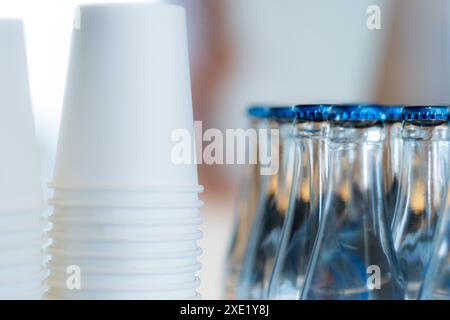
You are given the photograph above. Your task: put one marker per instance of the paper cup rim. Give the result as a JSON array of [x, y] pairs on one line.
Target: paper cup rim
[[161, 205], [155, 238], [41, 225], [62, 297], [145, 271], [43, 274], [40, 291], [29, 209], [28, 243], [42, 260], [127, 189], [128, 222], [125, 4], [146, 288], [137, 256]]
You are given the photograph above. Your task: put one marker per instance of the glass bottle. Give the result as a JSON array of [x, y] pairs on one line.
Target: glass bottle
[[436, 284], [265, 233], [392, 157], [246, 207], [302, 221], [353, 257], [422, 190]]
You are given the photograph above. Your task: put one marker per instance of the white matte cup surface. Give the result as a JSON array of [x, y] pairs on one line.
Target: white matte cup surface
[[20, 180], [128, 90]]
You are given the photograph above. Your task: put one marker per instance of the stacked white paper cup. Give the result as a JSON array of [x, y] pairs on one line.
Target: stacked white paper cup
[[125, 215], [22, 223]]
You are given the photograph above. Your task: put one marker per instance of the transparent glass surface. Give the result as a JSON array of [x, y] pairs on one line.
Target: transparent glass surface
[[265, 233], [436, 285], [353, 257], [244, 216], [392, 160], [302, 222], [421, 194]]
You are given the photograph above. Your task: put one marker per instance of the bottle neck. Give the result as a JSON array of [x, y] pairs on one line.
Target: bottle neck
[[312, 162], [279, 184], [392, 150], [355, 163], [424, 167]]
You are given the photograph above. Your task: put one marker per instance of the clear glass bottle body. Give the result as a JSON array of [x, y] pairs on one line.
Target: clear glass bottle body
[[243, 220], [392, 163], [353, 257], [422, 190], [436, 284], [264, 238], [302, 221]]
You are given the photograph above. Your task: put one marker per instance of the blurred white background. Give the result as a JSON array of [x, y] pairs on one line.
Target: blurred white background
[[265, 51]]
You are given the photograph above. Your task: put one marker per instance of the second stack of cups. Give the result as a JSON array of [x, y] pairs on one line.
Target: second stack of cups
[[125, 220], [22, 207]]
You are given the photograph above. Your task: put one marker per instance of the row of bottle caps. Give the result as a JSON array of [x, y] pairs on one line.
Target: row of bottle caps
[[355, 112]]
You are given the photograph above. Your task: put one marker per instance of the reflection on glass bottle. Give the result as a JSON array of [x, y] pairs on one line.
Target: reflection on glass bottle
[[245, 209], [436, 285], [265, 233], [353, 257], [422, 189], [392, 157], [302, 221]]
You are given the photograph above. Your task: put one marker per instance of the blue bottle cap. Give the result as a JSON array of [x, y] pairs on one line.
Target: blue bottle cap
[[278, 113], [425, 113], [357, 113], [312, 112], [393, 113]]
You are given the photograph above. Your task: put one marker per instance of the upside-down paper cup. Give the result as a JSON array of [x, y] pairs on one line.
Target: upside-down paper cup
[[128, 91], [130, 245], [20, 184], [22, 269], [23, 286], [146, 267], [83, 294], [143, 262], [126, 215], [20, 220], [162, 194], [84, 218], [121, 232], [124, 280]]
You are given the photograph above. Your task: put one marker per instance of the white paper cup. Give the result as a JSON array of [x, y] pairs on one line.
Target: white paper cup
[[100, 267], [22, 269], [11, 260], [61, 294], [124, 232], [128, 240], [126, 204], [129, 263], [20, 184], [19, 219], [133, 215], [23, 241], [112, 195], [93, 220], [148, 248], [14, 279], [22, 286], [26, 251], [27, 227], [61, 284], [125, 97], [36, 294], [129, 281]]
